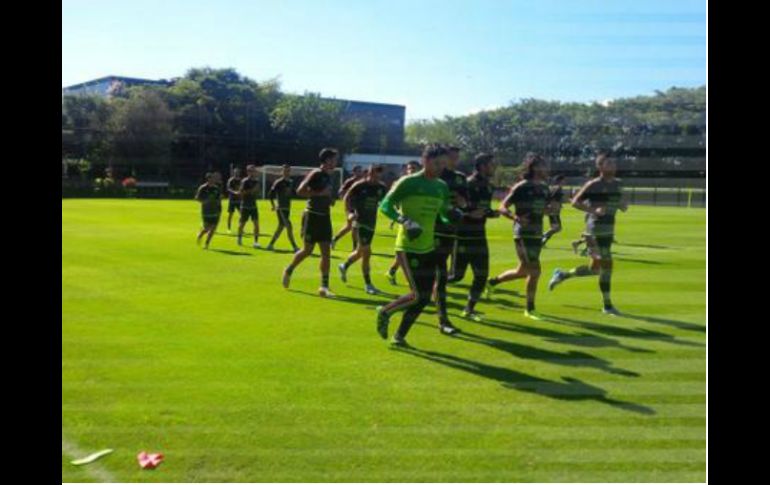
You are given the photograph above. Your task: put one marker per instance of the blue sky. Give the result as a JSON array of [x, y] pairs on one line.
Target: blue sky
[[437, 57]]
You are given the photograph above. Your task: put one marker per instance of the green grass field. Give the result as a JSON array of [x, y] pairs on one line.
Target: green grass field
[[203, 356]]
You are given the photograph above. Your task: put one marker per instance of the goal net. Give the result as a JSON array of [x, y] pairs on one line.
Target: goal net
[[271, 173]]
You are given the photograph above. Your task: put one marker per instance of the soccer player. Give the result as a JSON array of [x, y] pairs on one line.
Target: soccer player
[[210, 196], [446, 236], [472, 247], [414, 202], [282, 190], [316, 219], [529, 196], [361, 204], [555, 199], [357, 175], [233, 204], [411, 167], [248, 196], [600, 198]]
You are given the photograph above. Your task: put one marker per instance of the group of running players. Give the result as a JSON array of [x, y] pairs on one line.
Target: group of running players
[[441, 214]]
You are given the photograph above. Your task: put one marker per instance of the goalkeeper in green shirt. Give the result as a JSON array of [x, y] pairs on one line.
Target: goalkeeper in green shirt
[[414, 202]]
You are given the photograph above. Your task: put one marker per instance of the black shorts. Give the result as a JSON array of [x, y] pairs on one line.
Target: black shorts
[[316, 228], [233, 205], [445, 245], [249, 213], [284, 216], [555, 220], [365, 234], [600, 247], [528, 249], [210, 219]]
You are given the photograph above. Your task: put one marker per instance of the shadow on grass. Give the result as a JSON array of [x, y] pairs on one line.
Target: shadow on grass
[[230, 253], [662, 321], [569, 389], [622, 331], [571, 358], [642, 261], [366, 302], [582, 339], [648, 246]]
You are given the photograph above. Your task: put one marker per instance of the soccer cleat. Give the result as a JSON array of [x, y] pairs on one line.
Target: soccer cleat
[[471, 315], [371, 290], [269, 247], [533, 315], [391, 278], [325, 292], [383, 319], [555, 279], [611, 310], [398, 341], [286, 279], [256, 246], [343, 272], [447, 328]]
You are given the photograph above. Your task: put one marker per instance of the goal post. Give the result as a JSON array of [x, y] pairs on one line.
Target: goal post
[[271, 173]]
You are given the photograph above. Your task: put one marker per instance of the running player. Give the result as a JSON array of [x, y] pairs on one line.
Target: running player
[[472, 246], [446, 236], [361, 203], [414, 202], [210, 196], [600, 198], [282, 190], [316, 219], [357, 175], [233, 204], [555, 199], [411, 167], [529, 196], [248, 196]]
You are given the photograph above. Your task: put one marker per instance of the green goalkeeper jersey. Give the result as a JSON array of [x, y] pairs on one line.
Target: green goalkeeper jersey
[[420, 199]]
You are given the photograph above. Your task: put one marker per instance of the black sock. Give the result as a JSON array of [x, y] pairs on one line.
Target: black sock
[[579, 271], [346, 264], [367, 278], [289, 269], [325, 280], [604, 286], [530, 306], [470, 306]]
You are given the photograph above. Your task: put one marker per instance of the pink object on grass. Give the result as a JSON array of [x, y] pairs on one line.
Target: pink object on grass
[[149, 460]]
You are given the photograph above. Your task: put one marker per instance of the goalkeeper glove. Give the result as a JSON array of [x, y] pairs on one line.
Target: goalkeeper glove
[[413, 230]]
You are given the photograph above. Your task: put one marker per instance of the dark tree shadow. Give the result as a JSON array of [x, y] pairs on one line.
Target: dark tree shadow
[[570, 389], [571, 358], [622, 331], [662, 321], [582, 339]]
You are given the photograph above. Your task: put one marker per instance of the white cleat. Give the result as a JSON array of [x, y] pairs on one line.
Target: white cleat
[[325, 292], [256, 246], [371, 290]]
